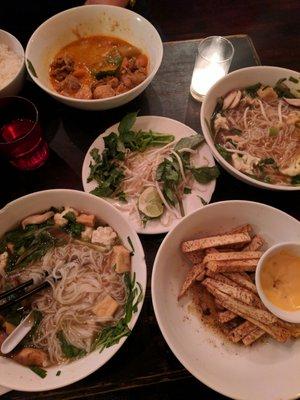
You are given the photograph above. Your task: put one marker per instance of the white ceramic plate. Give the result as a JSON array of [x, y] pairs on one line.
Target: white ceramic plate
[[265, 371], [15, 376], [191, 202]]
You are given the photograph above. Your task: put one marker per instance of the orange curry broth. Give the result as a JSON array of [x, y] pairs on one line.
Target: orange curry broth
[[89, 54]]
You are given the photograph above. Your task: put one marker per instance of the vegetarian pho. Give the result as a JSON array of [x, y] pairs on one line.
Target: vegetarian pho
[[257, 130], [97, 67], [91, 295]]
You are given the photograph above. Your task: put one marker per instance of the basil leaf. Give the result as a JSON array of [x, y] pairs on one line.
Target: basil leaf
[[205, 174], [191, 142], [127, 123], [224, 153], [252, 90]]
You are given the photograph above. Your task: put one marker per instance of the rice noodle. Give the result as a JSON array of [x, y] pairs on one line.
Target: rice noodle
[[86, 277], [254, 122]]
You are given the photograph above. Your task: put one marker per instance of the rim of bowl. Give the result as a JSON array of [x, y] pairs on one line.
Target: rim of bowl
[[93, 101], [290, 316], [139, 251], [182, 359], [211, 144], [14, 39]]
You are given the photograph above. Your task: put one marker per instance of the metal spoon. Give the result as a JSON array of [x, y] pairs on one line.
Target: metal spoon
[[17, 334]]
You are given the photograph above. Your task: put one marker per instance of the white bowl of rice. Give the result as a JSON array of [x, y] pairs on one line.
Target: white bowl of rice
[[12, 66], [260, 131]]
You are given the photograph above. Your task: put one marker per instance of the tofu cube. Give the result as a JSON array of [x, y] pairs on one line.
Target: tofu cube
[[86, 235], [9, 328], [106, 307], [86, 219], [121, 259]]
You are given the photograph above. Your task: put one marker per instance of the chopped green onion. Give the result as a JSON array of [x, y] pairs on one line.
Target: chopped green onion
[[130, 244], [273, 131], [187, 190], [39, 371], [202, 200], [294, 80]]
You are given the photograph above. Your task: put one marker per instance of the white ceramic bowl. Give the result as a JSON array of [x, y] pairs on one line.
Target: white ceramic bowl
[[265, 371], [294, 248], [65, 27], [15, 376], [13, 87], [239, 79]]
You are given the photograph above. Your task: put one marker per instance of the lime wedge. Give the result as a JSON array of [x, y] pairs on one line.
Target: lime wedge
[[150, 203]]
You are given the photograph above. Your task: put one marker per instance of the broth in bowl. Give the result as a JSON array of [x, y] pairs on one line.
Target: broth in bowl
[[97, 67]]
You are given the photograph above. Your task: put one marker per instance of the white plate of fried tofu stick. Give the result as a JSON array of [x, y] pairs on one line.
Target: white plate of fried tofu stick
[[207, 306]]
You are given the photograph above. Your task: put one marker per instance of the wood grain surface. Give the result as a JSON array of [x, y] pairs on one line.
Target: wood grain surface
[[145, 368]]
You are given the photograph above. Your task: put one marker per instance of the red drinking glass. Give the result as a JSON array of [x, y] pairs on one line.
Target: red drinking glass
[[21, 138]]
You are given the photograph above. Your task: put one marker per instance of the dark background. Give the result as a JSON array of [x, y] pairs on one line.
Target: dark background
[[145, 368]]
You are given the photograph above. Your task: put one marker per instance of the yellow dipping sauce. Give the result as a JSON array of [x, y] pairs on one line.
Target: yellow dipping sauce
[[280, 280]]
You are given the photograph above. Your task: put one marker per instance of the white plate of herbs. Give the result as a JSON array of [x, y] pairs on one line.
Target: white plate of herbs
[[155, 170]]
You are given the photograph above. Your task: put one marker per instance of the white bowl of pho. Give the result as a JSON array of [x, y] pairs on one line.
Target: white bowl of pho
[[94, 57], [251, 121], [93, 267]]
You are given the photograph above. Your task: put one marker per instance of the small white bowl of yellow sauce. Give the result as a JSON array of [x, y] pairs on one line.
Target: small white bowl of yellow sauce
[[278, 280]]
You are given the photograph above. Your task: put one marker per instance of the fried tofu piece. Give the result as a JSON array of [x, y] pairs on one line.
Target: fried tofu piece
[[195, 272], [232, 255], [29, 356], [86, 219], [121, 258], [215, 241], [106, 308], [9, 328], [232, 266]]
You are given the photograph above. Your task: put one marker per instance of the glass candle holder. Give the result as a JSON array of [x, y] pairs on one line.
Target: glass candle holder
[[21, 139], [212, 63]]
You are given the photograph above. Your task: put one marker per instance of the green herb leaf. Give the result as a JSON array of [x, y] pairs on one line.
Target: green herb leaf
[[294, 80], [73, 227], [39, 371], [273, 131], [127, 123], [224, 153], [295, 180], [187, 190], [31, 68], [191, 142], [282, 89], [205, 174], [58, 373], [68, 349]]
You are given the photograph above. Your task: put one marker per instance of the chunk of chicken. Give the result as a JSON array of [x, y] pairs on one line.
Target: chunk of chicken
[[293, 169], [61, 67], [103, 91], [221, 123], [104, 235], [106, 308], [29, 356], [121, 259], [69, 86], [37, 219], [293, 118], [141, 61], [246, 163], [84, 93]]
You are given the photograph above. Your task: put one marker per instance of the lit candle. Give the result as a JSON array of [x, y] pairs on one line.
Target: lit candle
[[212, 63]]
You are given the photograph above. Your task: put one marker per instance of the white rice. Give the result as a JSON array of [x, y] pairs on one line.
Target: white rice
[[10, 64]]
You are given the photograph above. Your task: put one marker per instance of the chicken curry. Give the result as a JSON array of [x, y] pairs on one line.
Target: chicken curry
[[97, 67]]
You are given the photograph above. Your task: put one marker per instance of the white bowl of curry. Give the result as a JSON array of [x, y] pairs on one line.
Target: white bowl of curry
[[94, 57]]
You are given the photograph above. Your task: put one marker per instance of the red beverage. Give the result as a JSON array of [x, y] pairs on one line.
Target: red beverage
[[21, 140]]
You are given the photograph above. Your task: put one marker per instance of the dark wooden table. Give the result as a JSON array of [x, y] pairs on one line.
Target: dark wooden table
[[145, 368]]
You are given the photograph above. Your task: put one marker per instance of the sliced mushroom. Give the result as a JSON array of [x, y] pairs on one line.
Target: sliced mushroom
[[37, 219], [229, 98], [236, 100], [292, 102]]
